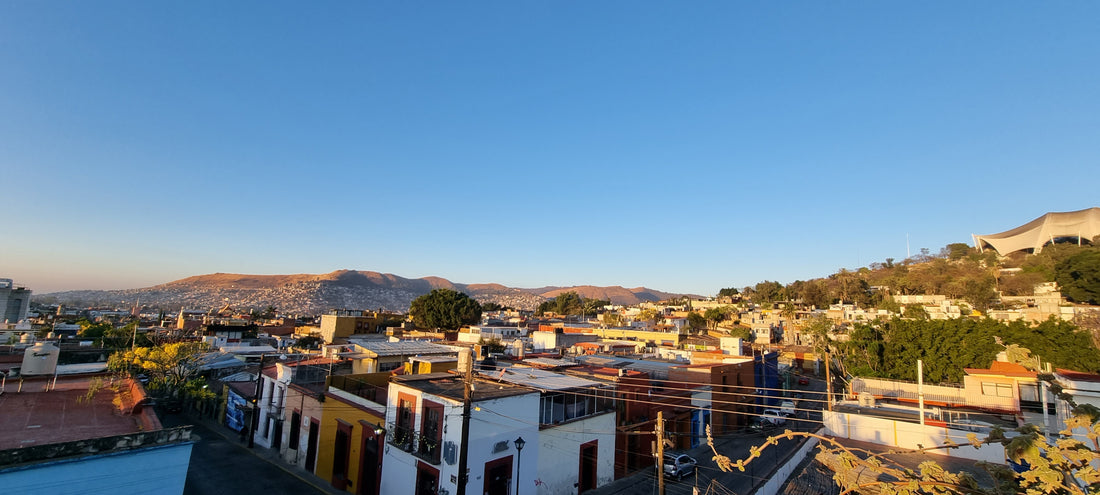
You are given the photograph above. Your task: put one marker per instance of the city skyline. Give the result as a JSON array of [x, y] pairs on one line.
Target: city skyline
[[681, 148]]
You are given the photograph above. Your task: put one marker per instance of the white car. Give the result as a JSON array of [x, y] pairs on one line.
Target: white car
[[769, 419], [678, 465]]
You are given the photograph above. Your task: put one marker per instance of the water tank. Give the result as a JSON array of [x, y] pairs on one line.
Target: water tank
[[26, 338], [465, 361], [40, 359]]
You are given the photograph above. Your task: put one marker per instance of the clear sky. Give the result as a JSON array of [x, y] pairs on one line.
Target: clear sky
[[683, 146]]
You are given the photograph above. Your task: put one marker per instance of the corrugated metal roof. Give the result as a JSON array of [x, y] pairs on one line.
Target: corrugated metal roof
[[404, 347], [554, 363], [540, 379], [656, 369]]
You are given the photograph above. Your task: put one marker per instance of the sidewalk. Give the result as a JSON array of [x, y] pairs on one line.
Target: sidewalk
[[209, 426]]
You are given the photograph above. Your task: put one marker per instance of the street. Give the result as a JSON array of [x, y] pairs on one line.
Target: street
[[219, 465], [735, 446]]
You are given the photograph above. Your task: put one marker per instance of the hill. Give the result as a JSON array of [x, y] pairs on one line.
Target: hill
[[313, 294], [616, 294]]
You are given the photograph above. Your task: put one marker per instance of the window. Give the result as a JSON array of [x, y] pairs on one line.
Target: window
[[388, 366], [558, 407], [431, 432], [403, 429], [997, 389]]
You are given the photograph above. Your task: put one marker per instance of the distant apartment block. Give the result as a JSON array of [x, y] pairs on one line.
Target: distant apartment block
[[15, 301], [338, 325]]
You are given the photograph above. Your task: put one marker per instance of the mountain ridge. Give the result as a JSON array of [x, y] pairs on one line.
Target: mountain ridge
[[307, 293]]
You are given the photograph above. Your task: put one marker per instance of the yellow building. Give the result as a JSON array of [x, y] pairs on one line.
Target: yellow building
[[341, 324], [422, 365], [351, 442]]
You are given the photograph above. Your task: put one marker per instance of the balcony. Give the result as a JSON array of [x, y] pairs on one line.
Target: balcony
[[360, 388], [428, 449], [401, 437], [423, 447]]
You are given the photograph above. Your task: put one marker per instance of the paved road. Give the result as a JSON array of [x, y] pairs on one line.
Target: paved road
[[221, 464], [735, 446]]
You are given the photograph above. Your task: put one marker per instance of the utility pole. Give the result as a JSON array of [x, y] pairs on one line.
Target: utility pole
[[254, 420], [828, 382], [920, 389], [660, 431], [467, 399]]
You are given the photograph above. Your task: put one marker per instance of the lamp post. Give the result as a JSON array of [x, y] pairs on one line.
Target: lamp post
[[519, 453]]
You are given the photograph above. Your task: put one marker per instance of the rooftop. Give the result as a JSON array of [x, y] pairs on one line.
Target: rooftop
[[450, 385], [550, 362], [401, 348], [539, 378], [37, 417]]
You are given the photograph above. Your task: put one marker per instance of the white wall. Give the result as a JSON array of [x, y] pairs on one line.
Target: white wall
[[782, 473], [160, 469], [559, 454], [907, 435], [492, 422]]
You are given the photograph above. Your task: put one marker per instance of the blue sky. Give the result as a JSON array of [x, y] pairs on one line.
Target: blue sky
[[680, 146]]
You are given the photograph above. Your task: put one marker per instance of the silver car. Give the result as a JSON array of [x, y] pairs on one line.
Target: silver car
[[678, 465]]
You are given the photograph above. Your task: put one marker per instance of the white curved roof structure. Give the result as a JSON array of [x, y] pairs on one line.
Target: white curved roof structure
[[1082, 224]]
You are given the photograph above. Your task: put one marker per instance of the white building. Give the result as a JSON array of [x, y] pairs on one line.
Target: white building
[[566, 429], [15, 302], [477, 333]]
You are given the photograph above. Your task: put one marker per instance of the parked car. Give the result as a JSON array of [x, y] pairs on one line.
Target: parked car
[[773, 416], [678, 465], [768, 420], [973, 425], [787, 408], [803, 380]]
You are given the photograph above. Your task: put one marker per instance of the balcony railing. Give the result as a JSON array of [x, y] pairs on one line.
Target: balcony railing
[[402, 438], [423, 447], [428, 449], [371, 392]]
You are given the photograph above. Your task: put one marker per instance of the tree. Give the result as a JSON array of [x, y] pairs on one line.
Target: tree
[[728, 292], [612, 319], [1079, 276], [716, 315], [768, 292], [915, 312], [308, 342], [697, 322], [107, 335], [955, 251], [648, 314], [446, 309], [171, 368], [741, 332], [979, 293], [491, 306], [563, 304], [593, 306]]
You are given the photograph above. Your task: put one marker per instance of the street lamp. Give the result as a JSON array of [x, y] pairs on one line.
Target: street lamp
[[519, 453]]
